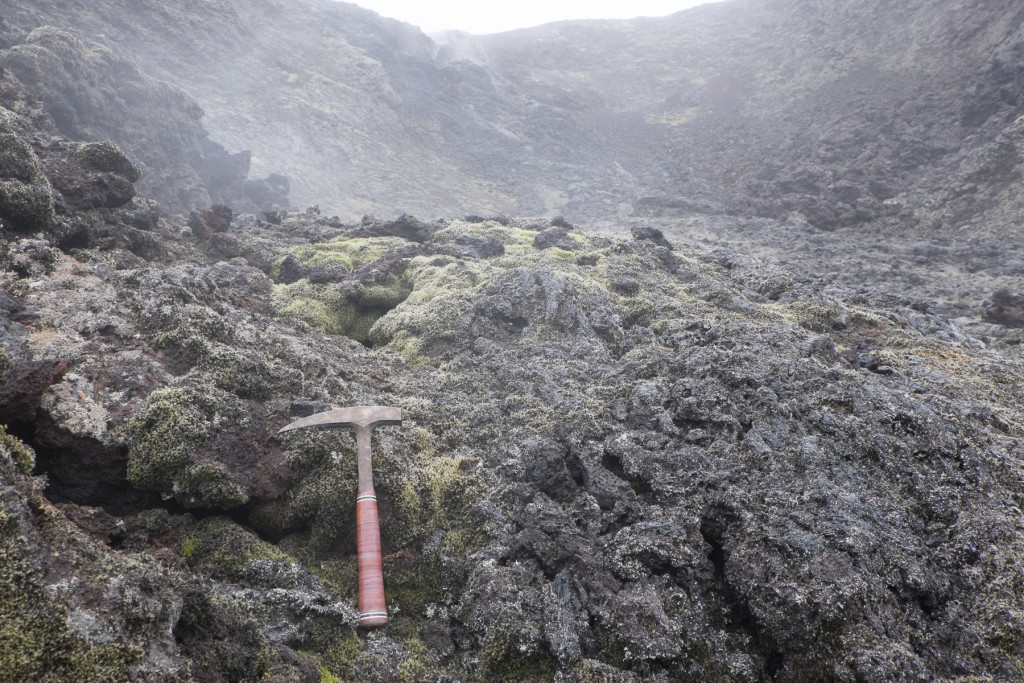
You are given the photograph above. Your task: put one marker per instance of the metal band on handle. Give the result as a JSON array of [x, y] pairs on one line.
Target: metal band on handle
[[373, 611]]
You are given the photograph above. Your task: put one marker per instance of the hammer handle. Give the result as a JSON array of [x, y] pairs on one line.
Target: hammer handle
[[373, 612]]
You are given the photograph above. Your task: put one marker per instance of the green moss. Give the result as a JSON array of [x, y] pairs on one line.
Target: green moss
[[436, 496], [418, 667], [188, 547], [340, 576], [26, 200], [303, 301], [508, 236], [172, 324], [221, 547], [18, 161], [27, 207], [209, 484], [331, 260], [327, 677], [163, 437], [243, 373], [441, 292], [412, 589], [35, 641], [222, 638], [503, 658], [560, 254], [108, 157], [321, 501], [346, 253], [20, 453], [8, 120], [341, 659], [349, 312]]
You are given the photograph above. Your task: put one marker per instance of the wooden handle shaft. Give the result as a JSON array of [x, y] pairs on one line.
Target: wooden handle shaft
[[373, 612]]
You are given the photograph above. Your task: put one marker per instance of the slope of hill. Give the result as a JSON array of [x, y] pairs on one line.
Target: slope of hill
[[768, 107]]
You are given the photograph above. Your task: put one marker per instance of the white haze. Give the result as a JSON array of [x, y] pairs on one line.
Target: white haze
[[474, 16]]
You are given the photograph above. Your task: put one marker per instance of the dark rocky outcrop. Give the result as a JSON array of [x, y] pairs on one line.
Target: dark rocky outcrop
[[1006, 308]]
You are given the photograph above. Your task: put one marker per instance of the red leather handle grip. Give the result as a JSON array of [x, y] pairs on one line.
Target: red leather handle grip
[[373, 612]]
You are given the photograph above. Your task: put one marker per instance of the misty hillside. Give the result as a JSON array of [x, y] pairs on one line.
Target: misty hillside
[[706, 331]]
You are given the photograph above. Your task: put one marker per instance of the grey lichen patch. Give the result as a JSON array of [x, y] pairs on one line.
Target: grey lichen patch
[[222, 547], [72, 407], [107, 156]]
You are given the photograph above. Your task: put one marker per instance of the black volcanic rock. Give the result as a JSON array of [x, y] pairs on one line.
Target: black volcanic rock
[[651, 235], [480, 247], [1006, 308], [555, 237], [268, 193]]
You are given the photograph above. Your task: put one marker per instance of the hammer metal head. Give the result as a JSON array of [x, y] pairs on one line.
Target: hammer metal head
[[358, 416]]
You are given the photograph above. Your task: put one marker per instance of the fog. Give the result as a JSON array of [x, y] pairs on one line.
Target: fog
[[477, 17]]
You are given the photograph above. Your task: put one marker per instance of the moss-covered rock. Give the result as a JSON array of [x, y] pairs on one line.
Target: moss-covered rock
[[209, 485], [16, 451], [35, 641], [26, 207], [162, 438], [246, 374], [344, 309], [108, 157], [18, 161], [162, 443], [26, 199], [38, 641], [222, 547]]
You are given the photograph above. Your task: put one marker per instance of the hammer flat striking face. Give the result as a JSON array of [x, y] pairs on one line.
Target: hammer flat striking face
[[372, 609]]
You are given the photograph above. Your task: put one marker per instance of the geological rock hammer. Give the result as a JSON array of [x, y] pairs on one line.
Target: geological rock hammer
[[373, 612]]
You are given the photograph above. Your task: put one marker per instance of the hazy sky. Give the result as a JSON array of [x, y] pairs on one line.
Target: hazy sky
[[479, 16]]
